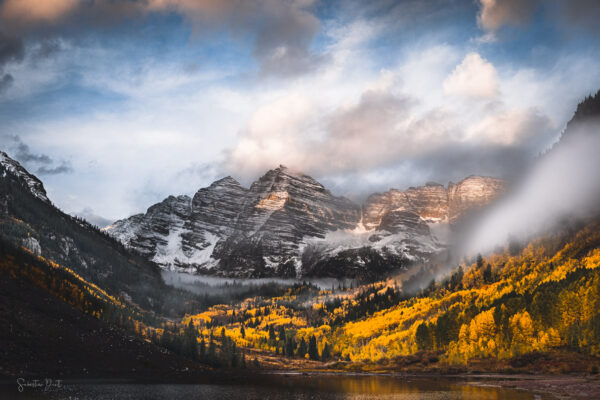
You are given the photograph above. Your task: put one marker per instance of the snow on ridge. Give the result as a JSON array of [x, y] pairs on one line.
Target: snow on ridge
[[172, 253], [34, 184]]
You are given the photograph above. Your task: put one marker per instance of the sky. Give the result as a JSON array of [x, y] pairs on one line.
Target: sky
[[116, 104]]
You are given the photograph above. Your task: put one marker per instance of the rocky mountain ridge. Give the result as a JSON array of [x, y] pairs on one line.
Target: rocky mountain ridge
[[34, 185], [287, 224]]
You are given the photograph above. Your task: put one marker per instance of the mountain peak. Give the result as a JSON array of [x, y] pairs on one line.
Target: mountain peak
[[226, 181], [17, 170]]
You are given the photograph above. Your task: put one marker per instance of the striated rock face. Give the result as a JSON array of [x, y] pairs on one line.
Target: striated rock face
[[32, 244], [472, 193], [287, 224], [432, 202], [282, 208]]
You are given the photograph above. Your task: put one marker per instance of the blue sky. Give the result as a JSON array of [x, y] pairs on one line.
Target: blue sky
[[117, 104]]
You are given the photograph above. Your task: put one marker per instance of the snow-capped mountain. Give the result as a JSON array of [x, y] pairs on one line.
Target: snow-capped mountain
[[287, 224], [30, 181]]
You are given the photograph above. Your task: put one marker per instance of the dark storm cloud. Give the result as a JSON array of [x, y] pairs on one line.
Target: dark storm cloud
[[281, 31], [42, 164], [11, 49], [496, 13], [581, 14], [573, 15], [60, 169], [47, 48], [23, 153]]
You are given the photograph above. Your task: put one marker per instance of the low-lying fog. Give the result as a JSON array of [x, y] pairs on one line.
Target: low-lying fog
[[213, 285]]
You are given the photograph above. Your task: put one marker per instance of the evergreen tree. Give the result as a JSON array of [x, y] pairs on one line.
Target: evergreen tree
[[189, 341], [281, 333], [487, 274], [202, 349], [479, 261], [212, 350], [302, 348], [243, 331], [423, 337], [325, 354], [313, 352], [272, 337], [289, 347]]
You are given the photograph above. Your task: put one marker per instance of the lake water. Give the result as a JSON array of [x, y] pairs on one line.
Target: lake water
[[325, 387]]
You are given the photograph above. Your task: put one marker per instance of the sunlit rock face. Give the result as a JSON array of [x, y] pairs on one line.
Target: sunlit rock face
[[288, 225], [433, 202], [472, 193]]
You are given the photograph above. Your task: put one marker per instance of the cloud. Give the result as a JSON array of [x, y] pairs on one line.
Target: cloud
[[574, 15], [11, 49], [60, 169], [42, 164], [474, 77], [512, 127], [562, 184], [89, 215], [386, 128], [493, 14], [282, 32], [580, 14], [33, 11], [6, 81]]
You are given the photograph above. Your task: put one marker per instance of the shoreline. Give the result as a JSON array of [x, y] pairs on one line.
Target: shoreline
[[572, 386]]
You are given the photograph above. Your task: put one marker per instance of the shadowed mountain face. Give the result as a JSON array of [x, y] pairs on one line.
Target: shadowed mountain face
[[288, 225], [28, 219]]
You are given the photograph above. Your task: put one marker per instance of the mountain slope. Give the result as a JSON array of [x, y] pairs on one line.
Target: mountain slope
[[288, 225], [29, 219], [55, 324]]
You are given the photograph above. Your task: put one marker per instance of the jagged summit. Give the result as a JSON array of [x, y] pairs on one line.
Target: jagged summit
[[226, 181]]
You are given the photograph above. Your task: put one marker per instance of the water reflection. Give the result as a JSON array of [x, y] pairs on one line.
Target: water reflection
[[282, 387]]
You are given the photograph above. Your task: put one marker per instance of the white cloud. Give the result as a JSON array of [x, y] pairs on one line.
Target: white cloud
[[474, 77], [511, 127]]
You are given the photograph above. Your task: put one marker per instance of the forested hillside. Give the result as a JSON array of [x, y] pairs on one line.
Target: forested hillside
[[540, 299]]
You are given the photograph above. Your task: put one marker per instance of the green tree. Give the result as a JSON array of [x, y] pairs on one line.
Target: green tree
[[302, 348], [423, 337], [479, 261], [487, 274], [325, 354], [313, 352]]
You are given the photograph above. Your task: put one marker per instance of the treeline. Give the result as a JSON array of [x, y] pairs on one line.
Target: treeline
[[367, 301]]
